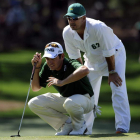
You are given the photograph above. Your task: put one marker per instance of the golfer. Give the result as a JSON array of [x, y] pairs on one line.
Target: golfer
[[104, 55], [65, 109]]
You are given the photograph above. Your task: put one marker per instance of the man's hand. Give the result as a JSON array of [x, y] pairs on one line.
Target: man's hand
[[54, 81], [75, 76], [37, 59], [35, 83], [115, 78]]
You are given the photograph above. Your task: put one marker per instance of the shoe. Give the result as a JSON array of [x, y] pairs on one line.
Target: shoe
[[81, 131], [120, 130], [65, 129]]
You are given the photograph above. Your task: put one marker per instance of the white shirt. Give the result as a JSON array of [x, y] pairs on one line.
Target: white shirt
[[99, 42]]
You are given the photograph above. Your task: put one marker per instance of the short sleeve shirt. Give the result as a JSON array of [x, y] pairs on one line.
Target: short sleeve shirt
[[99, 42], [81, 86]]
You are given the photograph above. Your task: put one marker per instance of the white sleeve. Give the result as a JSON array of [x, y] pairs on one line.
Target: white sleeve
[[72, 51], [106, 40]]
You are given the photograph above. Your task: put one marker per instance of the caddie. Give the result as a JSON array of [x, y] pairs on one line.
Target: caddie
[[75, 96], [104, 55]]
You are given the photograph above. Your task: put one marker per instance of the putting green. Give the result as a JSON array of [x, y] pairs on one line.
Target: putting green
[[34, 129], [128, 136]]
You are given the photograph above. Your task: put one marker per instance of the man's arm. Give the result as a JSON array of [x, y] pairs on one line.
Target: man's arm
[[35, 83], [80, 60], [75, 76], [111, 62], [113, 75]]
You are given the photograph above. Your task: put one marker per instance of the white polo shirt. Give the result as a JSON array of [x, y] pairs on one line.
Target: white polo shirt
[[99, 42]]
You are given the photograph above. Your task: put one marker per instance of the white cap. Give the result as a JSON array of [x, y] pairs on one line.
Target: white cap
[[52, 50]]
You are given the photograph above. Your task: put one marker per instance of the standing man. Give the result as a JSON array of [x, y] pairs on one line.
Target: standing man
[[104, 56], [69, 78]]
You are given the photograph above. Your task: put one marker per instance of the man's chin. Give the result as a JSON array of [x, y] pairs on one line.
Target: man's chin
[[73, 28], [51, 68]]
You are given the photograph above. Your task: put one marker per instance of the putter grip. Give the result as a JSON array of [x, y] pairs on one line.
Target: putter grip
[[33, 71]]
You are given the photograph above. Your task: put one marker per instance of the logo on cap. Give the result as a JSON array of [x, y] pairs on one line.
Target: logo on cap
[[71, 9], [55, 55], [59, 51], [49, 49]]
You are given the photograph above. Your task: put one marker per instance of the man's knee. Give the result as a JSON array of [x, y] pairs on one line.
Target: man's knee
[[35, 102], [32, 104], [68, 104], [72, 108], [39, 101]]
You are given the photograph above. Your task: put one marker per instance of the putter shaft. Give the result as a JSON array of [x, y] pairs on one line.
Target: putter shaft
[[33, 71]]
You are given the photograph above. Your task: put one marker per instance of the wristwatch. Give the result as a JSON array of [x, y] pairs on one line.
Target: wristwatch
[[112, 71]]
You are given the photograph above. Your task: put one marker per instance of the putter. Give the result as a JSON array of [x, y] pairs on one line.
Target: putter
[[33, 71]]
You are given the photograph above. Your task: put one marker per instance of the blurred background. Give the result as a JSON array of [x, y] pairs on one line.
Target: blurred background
[[26, 26]]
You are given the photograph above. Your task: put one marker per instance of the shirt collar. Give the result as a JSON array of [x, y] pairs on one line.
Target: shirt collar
[[64, 67], [86, 35]]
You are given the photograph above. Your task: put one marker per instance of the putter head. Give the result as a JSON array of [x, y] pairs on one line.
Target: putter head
[[15, 136]]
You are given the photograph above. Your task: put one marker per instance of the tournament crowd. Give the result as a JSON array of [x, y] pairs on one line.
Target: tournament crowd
[[32, 23]]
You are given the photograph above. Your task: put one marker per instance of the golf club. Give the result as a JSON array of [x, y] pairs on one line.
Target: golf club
[[33, 71]]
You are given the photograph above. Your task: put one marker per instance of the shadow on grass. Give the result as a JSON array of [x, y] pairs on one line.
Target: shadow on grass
[[13, 124], [21, 97], [16, 71], [134, 75], [106, 135], [37, 127]]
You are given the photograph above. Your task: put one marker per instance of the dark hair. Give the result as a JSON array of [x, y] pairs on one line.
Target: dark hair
[[59, 55]]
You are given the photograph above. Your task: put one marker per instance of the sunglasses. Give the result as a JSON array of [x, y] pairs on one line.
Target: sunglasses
[[72, 18], [52, 44]]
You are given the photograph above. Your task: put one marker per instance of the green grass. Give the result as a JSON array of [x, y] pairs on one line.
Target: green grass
[[15, 72], [37, 127], [22, 56], [107, 112], [18, 90], [128, 136]]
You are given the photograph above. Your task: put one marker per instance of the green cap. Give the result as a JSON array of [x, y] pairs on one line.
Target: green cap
[[76, 10]]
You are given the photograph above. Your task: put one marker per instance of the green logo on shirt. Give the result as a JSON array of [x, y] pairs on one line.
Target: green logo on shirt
[[95, 46]]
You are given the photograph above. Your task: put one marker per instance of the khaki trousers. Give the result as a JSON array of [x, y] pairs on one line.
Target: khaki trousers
[[54, 109]]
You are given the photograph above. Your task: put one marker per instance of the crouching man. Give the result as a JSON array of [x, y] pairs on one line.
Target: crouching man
[[65, 109]]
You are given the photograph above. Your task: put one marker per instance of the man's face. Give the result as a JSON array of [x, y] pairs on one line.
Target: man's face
[[77, 24], [55, 63]]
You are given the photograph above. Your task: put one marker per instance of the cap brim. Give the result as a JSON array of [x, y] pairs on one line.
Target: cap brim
[[50, 55], [71, 15]]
